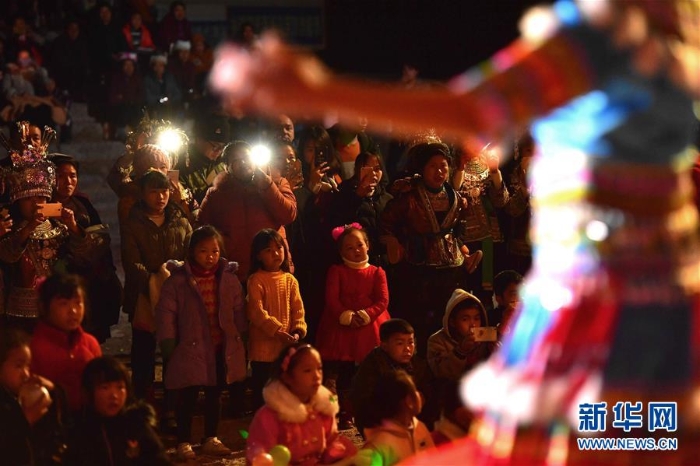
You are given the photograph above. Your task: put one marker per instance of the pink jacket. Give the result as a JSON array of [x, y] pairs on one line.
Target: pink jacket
[[240, 210], [349, 289], [309, 431]]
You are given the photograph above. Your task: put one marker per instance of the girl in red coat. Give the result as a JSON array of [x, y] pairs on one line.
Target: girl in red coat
[[357, 299], [60, 347]]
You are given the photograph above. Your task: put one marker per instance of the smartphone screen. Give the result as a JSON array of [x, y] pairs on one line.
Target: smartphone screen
[[366, 172], [174, 176], [51, 209], [320, 158], [485, 333]]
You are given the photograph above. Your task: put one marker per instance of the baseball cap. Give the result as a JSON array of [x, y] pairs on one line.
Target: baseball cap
[[213, 128]]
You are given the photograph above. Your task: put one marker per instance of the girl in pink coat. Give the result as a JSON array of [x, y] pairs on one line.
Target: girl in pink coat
[[299, 413], [357, 299]]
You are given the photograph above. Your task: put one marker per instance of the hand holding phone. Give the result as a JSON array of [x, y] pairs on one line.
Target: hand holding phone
[[366, 172], [174, 176], [485, 333], [52, 209]]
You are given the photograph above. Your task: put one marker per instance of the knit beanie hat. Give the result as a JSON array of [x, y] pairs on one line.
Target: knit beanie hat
[[148, 156]]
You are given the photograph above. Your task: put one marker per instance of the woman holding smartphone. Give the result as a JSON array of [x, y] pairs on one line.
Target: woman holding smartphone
[[43, 235], [309, 236], [362, 199], [102, 284]]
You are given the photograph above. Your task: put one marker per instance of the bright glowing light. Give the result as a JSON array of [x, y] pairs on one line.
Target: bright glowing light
[[597, 230], [169, 140], [556, 297], [260, 155], [556, 258], [539, 23]]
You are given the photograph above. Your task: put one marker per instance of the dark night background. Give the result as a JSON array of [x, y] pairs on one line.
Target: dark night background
[[441, 37]]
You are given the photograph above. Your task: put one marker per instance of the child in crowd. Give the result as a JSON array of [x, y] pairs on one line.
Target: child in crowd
[[155, 232], [455, 418], [506, 286], [357, 298], [60, 347], [113, 431], [244, 200], [393, 433], [453, 349], [395, 352], [200, 318], [101, 281], [18, 417], [274, 307], [299, 412], [41, 240], [141, 157]]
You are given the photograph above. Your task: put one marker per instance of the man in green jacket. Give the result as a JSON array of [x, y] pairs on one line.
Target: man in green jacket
[[205, 161]]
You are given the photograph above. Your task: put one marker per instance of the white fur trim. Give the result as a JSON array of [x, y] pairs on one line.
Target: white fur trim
[[346, 317], [290, 409], [357, 265], [364, 316]]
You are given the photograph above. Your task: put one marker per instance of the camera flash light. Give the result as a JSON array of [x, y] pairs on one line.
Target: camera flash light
[[260, 155]]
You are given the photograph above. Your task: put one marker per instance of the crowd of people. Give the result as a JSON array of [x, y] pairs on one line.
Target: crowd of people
[[115, 56], [231, 263], [333, 293]]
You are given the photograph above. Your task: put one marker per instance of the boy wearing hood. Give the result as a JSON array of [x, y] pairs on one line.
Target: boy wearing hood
[[452, 351]]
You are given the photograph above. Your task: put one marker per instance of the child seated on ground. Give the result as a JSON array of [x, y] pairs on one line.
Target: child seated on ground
[[60, 347], [299, 413], [392, 431], [24, 401], [395, 352], [453, 349], [113, 430], [456, 349], [455, 418], [506, 287]]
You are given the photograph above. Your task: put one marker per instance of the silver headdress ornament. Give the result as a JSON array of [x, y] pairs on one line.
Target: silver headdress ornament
[[428, 136], [31, 173], [422, 147]]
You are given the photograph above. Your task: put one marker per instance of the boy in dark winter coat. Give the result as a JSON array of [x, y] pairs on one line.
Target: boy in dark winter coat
[[395, 352], [114, 431]]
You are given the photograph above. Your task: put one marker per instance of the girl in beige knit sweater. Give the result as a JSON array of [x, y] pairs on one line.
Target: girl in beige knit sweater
[[274, 306]]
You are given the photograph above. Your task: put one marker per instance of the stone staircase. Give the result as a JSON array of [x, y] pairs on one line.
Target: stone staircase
[[96, 157]]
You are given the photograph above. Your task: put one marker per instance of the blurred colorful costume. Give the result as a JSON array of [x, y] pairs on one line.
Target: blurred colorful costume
[[609, 310]]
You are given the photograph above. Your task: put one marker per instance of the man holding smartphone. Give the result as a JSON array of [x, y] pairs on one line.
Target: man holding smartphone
[[212, 133]]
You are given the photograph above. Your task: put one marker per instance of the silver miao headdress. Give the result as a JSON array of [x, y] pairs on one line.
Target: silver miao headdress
[[30, 173]]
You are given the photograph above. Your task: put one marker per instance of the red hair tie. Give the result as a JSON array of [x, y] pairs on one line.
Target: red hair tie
[[337, 231]]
